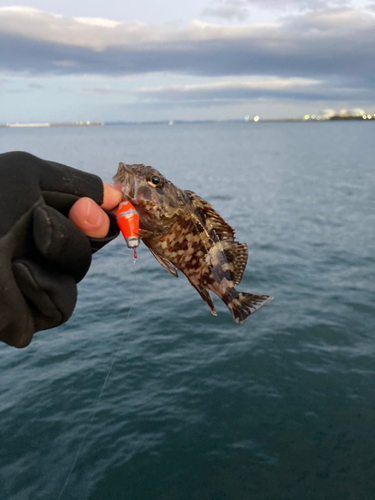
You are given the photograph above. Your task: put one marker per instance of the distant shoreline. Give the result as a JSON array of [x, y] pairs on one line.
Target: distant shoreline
[[177, 122], [45, 125]]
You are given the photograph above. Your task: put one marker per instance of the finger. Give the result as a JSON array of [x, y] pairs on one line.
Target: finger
[[55, 177], [52, 295], [16, 319], [89, 218], [113, 232], [62, 179], [61, 243], [112, 197]]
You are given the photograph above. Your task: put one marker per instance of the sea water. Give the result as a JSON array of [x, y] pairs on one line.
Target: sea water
[[196, 407]]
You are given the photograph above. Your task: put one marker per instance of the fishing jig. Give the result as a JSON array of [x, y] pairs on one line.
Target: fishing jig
[[128, 222]]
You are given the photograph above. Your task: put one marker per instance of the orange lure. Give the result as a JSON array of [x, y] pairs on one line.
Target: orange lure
[[128, 222]]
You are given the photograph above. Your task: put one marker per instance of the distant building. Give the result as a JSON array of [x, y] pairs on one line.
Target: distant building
[[327, 114], [357, 112]]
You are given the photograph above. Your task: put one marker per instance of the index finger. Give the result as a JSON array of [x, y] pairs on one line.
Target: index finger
[[55, 177], [111, 197]]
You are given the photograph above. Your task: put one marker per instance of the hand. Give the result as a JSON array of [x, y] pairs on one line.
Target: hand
[[43, 254], [90, 218]]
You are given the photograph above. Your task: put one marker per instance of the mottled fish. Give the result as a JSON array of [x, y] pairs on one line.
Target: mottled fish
[[184, 232]]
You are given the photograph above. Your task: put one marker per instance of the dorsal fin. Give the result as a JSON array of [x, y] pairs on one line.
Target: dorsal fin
[[236, 253], [211, 218]]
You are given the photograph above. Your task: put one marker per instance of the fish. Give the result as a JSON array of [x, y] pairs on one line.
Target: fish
[[184, 233]]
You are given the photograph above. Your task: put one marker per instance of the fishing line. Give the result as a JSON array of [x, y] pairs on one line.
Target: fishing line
[[96, 407]]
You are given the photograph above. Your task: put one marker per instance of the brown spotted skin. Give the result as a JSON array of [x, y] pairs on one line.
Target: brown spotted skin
[[184, 232]]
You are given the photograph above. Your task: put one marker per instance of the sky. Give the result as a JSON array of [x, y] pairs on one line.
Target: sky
[[155, 60]]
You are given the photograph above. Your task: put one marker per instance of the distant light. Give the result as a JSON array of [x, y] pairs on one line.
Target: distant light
[[256, 118], [313, 117], [369, 117], [364, 117], [306, 117], [170, 122], [247, 118]]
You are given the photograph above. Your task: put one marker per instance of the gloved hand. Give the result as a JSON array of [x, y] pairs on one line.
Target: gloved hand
[[43, 255]]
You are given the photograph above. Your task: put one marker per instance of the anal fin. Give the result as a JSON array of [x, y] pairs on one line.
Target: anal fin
[[204, 293]]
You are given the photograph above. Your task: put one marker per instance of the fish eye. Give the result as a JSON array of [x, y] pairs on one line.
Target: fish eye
[[155, 180]]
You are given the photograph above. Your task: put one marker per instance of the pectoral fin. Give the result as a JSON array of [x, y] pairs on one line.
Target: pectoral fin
[[165, 263], [144, 233]]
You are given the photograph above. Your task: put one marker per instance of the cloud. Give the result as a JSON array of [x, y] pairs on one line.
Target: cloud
[[298, 5], [93, 34], [229, 11], [332, 45], [288, 88], [227, 90], [239, 9], [21, 87], [107, 90], [334, 20], [36, 86], [65, 64]]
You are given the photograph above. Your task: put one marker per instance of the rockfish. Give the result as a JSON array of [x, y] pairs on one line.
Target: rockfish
[[184, 232]]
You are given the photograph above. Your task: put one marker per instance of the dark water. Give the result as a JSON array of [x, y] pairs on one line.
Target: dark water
[[282, 407]]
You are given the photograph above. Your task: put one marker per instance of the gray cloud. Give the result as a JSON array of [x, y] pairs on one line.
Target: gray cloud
[[238, 9], [104, 91], [226, 90], [36, 86], [296, 89], [25, 88], [332, 45], [229, 11], [298, 5]]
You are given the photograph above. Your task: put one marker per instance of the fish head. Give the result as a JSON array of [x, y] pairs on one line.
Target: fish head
[[158, 202]]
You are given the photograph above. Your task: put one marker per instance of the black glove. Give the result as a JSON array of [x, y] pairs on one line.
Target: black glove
[[43, 255]]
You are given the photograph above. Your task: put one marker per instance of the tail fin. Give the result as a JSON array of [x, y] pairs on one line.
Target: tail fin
[[245, 304]]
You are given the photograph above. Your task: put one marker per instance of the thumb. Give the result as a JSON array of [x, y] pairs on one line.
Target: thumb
[[89, 218]]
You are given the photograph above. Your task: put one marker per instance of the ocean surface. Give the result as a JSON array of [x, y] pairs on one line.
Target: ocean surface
[[196, 407]]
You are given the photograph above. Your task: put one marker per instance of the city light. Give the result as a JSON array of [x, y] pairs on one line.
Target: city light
[[324, 115]]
